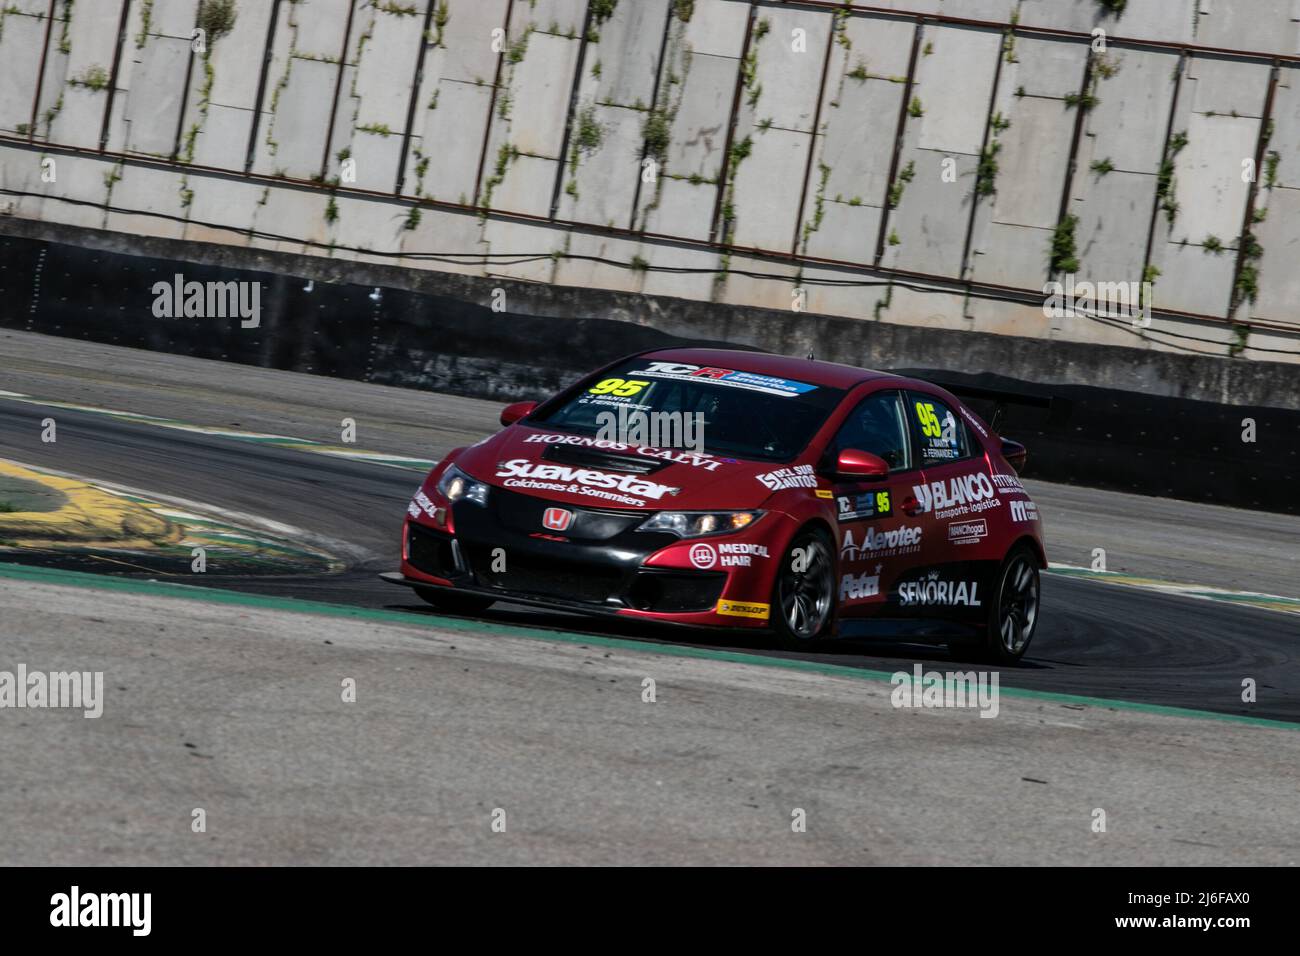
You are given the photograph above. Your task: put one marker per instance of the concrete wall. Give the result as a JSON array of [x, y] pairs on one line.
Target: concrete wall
[[715, 150]]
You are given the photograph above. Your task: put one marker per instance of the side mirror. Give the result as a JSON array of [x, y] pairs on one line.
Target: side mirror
[[512, 413], [860, 464], [1015, 454]]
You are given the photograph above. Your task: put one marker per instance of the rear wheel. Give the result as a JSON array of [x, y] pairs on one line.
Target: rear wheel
[[1013, 612], [803, 598], [454, 603]]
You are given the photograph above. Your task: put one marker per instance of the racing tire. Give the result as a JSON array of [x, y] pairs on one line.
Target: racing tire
[[1013, 612], [454, 603], [803, 600]]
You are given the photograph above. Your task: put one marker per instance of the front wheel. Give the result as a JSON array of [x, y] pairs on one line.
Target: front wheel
[[454, 603], [1013, 613], [803, 598]]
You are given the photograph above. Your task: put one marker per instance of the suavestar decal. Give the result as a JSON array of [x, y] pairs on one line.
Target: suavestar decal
[[521, 473], [855, 586], [883, 544], [800, 476], [932, 590], [1024, 511], [696, 459], [744, 609], [740, 555], [969, 532], [727, 376], [957, 496], [871, 504]]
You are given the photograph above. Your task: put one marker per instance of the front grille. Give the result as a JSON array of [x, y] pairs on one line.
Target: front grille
[[429, 552], [524, 513], [673, 592], [547, 577]]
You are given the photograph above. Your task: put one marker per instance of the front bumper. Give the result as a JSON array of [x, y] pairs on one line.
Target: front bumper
[[604, 566]]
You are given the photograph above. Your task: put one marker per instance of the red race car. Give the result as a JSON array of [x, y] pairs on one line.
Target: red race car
[[739, 489]]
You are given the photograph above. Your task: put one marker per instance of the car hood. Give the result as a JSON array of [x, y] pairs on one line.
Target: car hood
[[582, 470]]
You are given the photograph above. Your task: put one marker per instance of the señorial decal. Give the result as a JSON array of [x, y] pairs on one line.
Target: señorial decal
[[740, 555], [800, 476], [726, 376], [969, 532], [1009, 483], [957, 496], [856, 586], [699, 459], [870, 504], [1024, 511], [703, 556], [932, 590], [940, 437], [744, 609], [882, 544], [521, 473]]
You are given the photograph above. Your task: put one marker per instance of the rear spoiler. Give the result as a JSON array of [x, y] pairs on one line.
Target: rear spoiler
[[1058, 409]]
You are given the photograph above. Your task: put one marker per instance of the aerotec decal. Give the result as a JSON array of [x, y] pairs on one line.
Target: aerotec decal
[[521, 473], [744, 609], [882, 544]]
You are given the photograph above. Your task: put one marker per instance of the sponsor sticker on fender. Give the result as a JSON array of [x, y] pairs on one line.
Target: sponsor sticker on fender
[[1024, 511], [967, 532], [703, 556], [740, 555], [800, 476], [744, 609]]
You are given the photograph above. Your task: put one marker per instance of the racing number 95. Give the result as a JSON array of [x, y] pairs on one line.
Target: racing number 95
[[618, 386], [930, 427]]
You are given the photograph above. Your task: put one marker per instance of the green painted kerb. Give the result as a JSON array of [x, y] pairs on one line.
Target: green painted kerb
[[20, 572]]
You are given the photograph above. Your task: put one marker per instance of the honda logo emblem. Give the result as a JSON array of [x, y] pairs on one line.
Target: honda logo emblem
[[557, 519]]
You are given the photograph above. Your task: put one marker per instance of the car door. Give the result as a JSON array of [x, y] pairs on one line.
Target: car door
[[957, 505], [877, 537]]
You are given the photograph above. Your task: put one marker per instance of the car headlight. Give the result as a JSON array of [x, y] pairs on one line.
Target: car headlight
[[695, 524], [455, 485]]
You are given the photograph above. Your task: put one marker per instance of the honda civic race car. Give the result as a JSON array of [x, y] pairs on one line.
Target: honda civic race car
[[794, 495]]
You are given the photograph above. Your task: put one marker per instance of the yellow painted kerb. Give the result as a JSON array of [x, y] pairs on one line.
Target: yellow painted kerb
[[88, 516]]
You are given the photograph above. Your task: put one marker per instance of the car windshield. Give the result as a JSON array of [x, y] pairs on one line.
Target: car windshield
[[741, 414]]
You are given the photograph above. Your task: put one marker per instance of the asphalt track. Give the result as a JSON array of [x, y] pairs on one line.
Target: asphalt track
[[1094, 640]]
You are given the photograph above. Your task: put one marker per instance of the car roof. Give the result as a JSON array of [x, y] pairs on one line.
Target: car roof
[[829, 374]]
